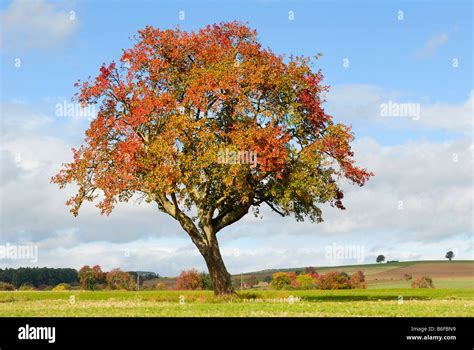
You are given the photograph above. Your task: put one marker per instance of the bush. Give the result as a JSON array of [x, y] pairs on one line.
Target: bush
[[61, 287], [6, 286], [91, 277], [305, 281], [358, 280], [422, 282], [281, 280], [118, 279], [27, 286], [334, 280], [407, 277], [206, 281], [189, 280]]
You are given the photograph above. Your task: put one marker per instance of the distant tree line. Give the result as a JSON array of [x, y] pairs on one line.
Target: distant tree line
[[38, 276], [87, 277]]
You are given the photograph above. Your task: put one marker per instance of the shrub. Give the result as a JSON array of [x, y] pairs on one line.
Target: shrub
[[358, 280], [6, 286], [189, 280], [407, 277], [267, 279], [27, 286], [90, 277], [61, 286], [334, 280], [118, 279], [281, 280], [422, 282], [206, 281], [305, 281]]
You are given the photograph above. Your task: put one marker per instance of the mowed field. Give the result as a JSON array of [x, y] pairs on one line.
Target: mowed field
[[388, 295]]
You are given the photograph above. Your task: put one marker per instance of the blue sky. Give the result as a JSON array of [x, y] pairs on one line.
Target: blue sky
[[405, 61]]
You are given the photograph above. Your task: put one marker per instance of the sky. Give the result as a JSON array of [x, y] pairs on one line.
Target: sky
[[378, 57]]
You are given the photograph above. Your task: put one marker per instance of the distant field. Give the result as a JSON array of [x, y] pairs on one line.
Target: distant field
[[445, 274], [314, 303]]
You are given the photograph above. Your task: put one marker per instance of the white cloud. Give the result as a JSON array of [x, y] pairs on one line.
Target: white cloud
[[431, 46], [35, 24], [433, 179], [361, 104]]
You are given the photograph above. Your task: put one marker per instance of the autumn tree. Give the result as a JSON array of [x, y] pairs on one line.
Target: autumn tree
[[177, 101], [118, 279], [90, 277]]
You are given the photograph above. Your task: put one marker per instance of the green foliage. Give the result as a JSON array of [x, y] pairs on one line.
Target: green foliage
[[281, 280], [380, 258], [449, 255], [305, 281], [206, 281], [38, 276]]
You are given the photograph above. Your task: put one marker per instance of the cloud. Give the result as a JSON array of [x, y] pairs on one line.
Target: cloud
[[361, 105], [431, 46], [35, 24], [433, 180]]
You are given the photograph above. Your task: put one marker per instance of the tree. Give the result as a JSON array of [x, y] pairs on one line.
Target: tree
[[118, 279], [209, 126], [310, 270], [380, 258], [190, 279], [305, 281], [90, 277], [206, 281], [281, 280], [334, 280], [449, 255]]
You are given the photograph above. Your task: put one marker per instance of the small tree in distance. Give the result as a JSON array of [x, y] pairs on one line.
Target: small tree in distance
[[90, 277], [380, 258], [449, 255]]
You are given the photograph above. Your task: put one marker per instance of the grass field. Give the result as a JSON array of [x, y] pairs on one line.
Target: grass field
[[388, 294], [316, 303]]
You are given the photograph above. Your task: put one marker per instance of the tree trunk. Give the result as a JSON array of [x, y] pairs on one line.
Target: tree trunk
[[220, 278]]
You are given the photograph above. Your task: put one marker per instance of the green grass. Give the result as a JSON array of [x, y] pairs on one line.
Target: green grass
[[338, 303], [439, 283]]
